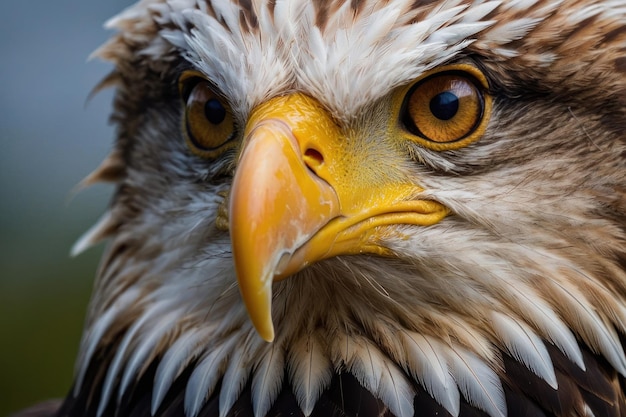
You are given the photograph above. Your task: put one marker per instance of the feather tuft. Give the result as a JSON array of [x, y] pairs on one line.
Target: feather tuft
[[111, 170], [104, 228]]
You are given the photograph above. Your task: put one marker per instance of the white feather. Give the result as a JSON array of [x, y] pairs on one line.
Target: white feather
[[518, 5], [525, 346], [235, 378], [600, 335], [175, 37], [267, 379], [140, 356], [458, 33], [426, 363], [94, 235], [116, 364], [395, 391], [477, 12], [178, 356], [310, 371], [552, 326], [379, 374], [128, 344], [94, 336], [135, 11], [513, 30], [588, 412], [479, 384], [205, 376]]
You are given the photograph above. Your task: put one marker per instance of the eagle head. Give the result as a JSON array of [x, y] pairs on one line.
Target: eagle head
[[372, 208]]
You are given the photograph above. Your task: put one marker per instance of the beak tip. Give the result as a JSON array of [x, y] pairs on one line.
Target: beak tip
[[266, 332]]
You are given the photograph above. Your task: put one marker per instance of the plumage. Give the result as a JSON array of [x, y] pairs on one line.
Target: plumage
[[361, 208]]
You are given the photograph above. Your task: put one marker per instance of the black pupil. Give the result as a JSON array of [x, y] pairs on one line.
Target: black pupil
[[214, 111], [444, 105]]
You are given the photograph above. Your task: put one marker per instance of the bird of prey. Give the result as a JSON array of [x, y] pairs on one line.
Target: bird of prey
[[361, 208]]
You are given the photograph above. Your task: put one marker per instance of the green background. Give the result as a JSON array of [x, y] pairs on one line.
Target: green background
[[50, 138]]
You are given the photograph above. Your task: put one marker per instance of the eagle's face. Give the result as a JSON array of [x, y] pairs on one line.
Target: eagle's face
[[427, 197]]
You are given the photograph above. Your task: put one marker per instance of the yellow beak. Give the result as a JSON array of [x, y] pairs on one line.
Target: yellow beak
[[303, 192]]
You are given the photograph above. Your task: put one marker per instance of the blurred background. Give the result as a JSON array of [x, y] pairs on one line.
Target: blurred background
[[50, 138]]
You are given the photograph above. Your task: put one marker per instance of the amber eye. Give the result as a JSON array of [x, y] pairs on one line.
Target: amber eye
[[208, 123], [444, 108]]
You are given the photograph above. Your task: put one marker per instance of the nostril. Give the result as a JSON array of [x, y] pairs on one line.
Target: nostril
[[313, 158]]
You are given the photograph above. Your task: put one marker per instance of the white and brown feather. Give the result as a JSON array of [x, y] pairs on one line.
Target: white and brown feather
[[514, 305]]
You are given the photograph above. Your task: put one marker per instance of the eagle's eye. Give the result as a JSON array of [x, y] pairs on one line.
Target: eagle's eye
[[448, 109], [208, 120]]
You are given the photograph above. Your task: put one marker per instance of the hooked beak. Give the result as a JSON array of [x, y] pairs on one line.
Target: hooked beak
[[301, 195]]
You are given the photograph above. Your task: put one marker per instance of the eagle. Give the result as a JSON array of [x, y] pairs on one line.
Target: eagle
[[361, 208]]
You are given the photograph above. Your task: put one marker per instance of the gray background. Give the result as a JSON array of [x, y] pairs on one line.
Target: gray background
[[50, 138]]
